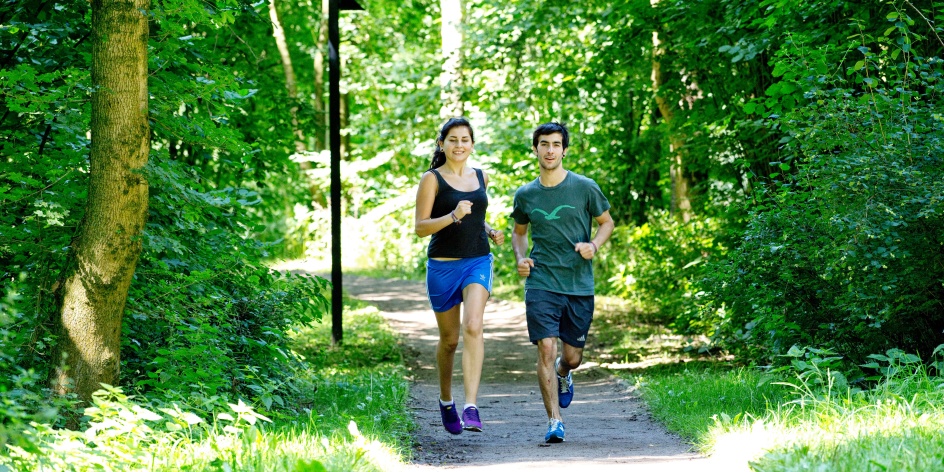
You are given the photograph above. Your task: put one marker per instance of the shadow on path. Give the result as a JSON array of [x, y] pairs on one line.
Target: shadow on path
[[608, 427]]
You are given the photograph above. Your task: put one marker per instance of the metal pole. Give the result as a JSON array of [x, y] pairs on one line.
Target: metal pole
[[334, 92]]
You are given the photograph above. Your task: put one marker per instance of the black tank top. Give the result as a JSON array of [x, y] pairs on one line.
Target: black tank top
[[460, 240]]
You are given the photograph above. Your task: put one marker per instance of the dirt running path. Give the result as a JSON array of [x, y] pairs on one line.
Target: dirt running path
[[608, 428]]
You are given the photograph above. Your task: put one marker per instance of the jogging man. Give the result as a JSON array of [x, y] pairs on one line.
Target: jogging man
[[559, 207]]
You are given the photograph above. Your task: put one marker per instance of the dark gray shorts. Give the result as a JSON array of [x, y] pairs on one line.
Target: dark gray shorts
[[555, 315]]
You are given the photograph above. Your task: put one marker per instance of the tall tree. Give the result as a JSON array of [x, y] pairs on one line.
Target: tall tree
[[451, 79], [106, 250], [290, 84], [681, 187], [321, 45]]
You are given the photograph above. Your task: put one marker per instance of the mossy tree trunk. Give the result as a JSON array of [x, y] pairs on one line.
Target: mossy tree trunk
[[106, 249]]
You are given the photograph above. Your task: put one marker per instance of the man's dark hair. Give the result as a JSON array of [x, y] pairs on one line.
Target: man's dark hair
[[551, 128]]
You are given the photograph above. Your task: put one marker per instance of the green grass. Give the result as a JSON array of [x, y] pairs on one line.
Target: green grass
[[895, 426], [367, 342], [792, 420], [355, 419], [689, 397], [739, 416]]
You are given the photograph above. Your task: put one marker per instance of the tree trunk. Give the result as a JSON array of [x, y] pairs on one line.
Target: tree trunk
[[290, 84], [321, 139], [450, 81], [106, 250], [681, 185], [345, 122]]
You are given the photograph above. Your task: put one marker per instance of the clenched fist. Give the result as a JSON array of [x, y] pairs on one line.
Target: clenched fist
[[524, 266]]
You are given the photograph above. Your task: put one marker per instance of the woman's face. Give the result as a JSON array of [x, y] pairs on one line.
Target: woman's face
[[458, 144]]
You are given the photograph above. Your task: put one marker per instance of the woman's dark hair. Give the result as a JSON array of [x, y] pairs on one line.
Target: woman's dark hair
[[439, 156], [551, 128]]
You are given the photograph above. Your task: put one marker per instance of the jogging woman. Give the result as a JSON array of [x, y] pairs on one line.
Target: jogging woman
[[450, 207]]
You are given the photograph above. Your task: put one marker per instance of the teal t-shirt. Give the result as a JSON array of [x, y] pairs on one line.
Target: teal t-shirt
[[560, 217]]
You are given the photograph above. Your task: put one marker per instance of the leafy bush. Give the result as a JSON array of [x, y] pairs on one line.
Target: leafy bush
[[658, 264], [209, 320], [345, 416], [205, 319], [24, 397], [819, 374], [44, 113], [123, 434], [846, 252]]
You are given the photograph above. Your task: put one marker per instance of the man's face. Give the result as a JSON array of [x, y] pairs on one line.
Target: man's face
[[550, 150]]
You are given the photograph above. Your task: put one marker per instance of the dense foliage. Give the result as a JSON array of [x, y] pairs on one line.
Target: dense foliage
[[846, 251], [206, 319], [809, 135], [353, 418]]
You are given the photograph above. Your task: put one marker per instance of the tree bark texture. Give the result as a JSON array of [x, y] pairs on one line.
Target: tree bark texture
[[681, 186], [450, 81], [106, 250]]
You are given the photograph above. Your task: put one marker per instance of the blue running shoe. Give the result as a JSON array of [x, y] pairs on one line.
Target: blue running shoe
[[470, 419], [565, 387], [450, 418], [555, 431]]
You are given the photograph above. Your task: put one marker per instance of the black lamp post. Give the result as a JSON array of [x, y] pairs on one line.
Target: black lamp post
[[334, 92]]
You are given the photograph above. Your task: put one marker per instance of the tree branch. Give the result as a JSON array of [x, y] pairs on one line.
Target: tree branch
[[930, 24]]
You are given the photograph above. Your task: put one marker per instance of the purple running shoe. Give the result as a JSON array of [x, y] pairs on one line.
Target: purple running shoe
[[470, 419], [450, 418]]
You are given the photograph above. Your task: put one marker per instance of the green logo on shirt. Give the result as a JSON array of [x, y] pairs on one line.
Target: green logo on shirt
[[552, 215]]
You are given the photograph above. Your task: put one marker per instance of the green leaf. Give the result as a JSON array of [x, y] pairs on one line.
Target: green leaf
[[310, 466], [788, 102]]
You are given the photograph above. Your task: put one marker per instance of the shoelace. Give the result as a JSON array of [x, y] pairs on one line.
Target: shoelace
[[564, 383], [473, 414]]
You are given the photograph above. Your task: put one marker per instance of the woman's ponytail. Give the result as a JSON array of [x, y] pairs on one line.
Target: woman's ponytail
[[439, 157]]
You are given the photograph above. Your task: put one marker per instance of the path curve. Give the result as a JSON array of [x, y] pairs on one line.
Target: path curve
[[608, 427]]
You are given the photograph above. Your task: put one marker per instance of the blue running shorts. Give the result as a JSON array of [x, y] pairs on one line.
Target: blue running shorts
[[556, 315], [445, 280]]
